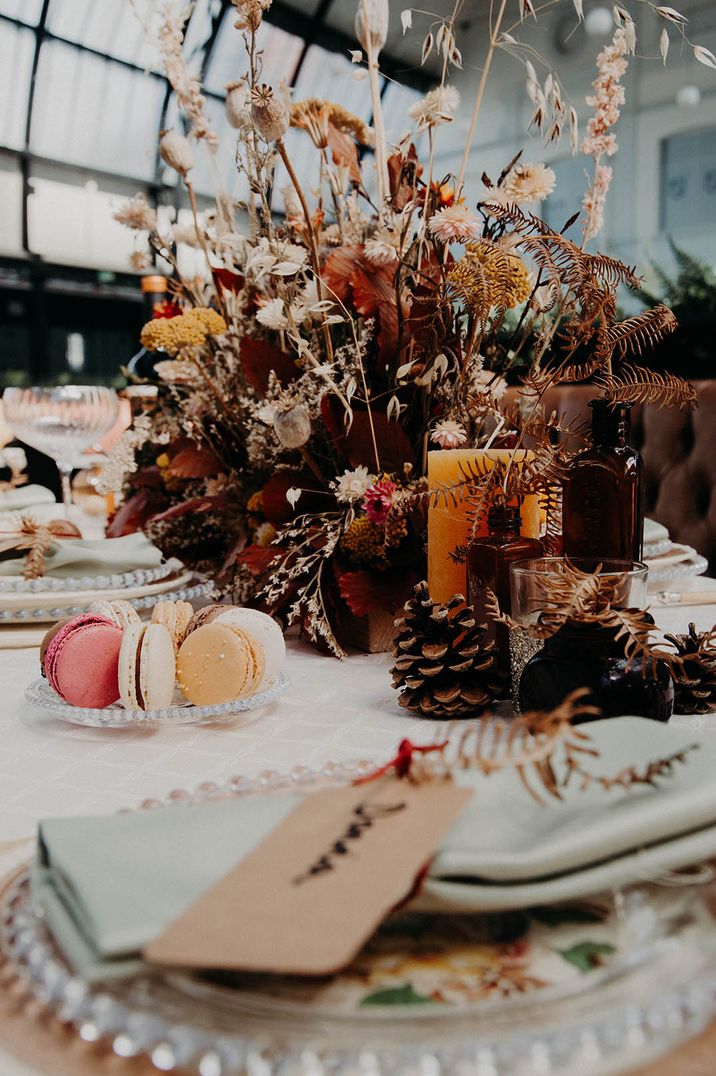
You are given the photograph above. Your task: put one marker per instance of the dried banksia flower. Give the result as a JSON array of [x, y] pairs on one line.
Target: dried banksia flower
[[371, 25], [175, 150], [237, 104], [293, 428], [269, 113]]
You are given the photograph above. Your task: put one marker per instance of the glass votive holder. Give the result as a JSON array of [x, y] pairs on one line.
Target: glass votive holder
[[533, 586]]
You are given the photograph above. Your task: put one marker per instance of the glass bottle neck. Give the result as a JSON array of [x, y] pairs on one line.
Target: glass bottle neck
[[504, 521], [611, 423]]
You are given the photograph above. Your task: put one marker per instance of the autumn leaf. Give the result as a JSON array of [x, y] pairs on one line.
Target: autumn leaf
[[133, 514], [366, 591], [345, 153], [394, 445], [259, 358], [229, 280], [257, 558], [195, 461], [194, 504]]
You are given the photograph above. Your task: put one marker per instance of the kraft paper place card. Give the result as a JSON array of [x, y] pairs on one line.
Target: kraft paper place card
[[311, 894]]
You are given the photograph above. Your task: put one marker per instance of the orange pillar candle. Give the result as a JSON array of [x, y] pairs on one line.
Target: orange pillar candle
[[448, 525]]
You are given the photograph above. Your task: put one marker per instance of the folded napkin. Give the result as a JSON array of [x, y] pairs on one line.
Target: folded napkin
[[102, 556], [654, 532], [25, 497], [110, 885]]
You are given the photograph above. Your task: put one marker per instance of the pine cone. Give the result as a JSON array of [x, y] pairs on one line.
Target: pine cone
[[695, 679], [442, 666]]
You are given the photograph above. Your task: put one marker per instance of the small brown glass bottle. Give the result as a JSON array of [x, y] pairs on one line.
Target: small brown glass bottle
[[603, 504], [488, 566]]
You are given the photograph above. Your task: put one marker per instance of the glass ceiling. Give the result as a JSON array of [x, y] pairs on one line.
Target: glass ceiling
[[98, 99]]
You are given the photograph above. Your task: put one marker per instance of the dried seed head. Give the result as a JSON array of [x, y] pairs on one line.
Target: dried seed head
[[371, 25], [237, 105], [293, 428], [175, 150], [269, 113]]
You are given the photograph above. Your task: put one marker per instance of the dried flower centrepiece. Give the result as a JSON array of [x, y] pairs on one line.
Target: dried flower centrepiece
[[351, 310]]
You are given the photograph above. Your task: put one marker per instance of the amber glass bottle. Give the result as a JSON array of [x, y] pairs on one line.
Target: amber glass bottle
[[488, 566], [603, 504]]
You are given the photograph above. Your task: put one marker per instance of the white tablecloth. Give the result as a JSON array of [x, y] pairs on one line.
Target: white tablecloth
[[332, 712]]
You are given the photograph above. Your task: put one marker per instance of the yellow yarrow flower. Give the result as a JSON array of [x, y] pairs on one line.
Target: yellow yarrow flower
[[185, 330], [363, 542]]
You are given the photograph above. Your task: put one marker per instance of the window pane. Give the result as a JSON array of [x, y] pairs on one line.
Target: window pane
[[95, 113], [688, 180], [70, 222], [111, 28], [16, 52], [229, 61], [11, 200], [25, 10]]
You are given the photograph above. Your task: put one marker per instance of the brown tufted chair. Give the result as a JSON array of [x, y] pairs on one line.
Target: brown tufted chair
[[679, 452]]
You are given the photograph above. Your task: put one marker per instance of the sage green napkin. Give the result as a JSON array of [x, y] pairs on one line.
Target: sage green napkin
[[99, 556], [109, 885]]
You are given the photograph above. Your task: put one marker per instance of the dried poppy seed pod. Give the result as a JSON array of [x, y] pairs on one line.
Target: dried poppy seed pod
[[270, 114], [293, 428], [371, 25], [237, 104], [175, 150]]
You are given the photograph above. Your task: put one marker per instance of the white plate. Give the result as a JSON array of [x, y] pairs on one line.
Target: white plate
[[674, 554], [41, 695]]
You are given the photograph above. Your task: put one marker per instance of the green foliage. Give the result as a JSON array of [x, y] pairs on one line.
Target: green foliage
[[397, 995], [587, 955]]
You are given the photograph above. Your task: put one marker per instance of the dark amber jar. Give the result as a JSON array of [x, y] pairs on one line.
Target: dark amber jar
[[488, 567], [603, 504], [588, 655]]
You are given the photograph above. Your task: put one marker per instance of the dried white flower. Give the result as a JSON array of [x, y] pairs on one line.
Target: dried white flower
[[380, 248], [454, 224], [449, 434], [523, 184], [175, 150], [437, 107], [137, 214], [271, 315], [352, 485]]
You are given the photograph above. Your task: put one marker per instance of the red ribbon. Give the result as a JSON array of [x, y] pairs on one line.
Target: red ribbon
[[403, 760]]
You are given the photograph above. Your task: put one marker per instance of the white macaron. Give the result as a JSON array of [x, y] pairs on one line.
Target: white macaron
[[265, 630]]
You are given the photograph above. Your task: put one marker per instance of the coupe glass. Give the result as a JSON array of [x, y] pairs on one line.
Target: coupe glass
[[62, 422]]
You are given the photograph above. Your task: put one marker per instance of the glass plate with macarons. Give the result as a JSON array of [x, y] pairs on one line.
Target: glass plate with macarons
[[108, 669]]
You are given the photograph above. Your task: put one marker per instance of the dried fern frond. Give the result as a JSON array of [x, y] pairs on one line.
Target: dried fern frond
[[640, 385], [642, 331]]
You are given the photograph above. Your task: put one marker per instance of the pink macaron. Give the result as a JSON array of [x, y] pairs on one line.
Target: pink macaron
[[82, 659]]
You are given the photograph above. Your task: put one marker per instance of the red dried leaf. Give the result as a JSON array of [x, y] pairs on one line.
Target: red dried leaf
[[368, 591], [133, 513], [195, 461], [259, 358], [275, 506], [229, 280], [338, 269], [345, 153], [394, 446], [196, 504], [257, 558], [403, 173]]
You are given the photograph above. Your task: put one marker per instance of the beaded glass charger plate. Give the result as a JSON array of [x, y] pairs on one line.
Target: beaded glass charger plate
[[16, 584], [13, 605], [594, 987], [41, 695]]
